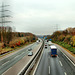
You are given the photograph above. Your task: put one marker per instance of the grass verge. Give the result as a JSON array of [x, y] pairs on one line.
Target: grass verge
[[8, 50], [65, 45]]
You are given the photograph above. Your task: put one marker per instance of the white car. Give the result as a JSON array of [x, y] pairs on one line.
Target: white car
[[30, 53]]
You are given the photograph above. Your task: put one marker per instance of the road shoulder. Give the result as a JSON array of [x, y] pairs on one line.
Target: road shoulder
[[67, 52], [14, 70]]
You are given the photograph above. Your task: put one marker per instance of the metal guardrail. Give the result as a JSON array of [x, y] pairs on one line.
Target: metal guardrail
[[32, 62]]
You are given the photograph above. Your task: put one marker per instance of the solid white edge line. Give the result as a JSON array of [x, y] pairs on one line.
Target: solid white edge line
[[68, 59], [27, 63], [24, 66], [49, 69], [65, 73], [37, 64]]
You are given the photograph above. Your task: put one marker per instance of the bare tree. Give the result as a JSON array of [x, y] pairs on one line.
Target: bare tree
[[3, 19]]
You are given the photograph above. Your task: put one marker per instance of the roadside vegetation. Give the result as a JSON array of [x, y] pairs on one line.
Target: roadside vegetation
[[65, 38], [14, 40]]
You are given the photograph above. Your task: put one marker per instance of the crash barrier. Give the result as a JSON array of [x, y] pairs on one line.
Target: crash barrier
[[29, 66]]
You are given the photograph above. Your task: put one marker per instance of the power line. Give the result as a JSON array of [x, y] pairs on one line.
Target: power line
[[3, 18]]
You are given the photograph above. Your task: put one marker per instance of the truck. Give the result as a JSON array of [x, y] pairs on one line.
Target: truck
[[53, 49], [50, 43]]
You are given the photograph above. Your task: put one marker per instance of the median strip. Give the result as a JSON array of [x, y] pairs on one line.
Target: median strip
[[34, 60], [37, 63]]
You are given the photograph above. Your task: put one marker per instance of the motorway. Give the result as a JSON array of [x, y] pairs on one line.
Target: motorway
[[9, 61], [59, 65]]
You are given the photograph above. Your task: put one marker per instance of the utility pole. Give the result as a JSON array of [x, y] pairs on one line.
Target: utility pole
[[3, 19]]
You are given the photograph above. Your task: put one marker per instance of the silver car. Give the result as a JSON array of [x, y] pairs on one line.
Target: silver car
[[30, 53]]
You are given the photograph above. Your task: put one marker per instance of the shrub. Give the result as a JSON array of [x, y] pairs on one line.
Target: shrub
[[67, 39], [74, 50], [12, 46], [67, 46], [18, 43], [73, 41], [61, 37], [22, 41]]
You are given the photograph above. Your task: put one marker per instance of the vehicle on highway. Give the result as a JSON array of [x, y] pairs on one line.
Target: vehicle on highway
[[50, 43], [37, 42], [53, 50], [29, 49], [30, 53], [47, 40], [45, 46]]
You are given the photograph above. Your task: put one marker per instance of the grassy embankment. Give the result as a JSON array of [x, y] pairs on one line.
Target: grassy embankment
[[65, 38], [8, 50], [15, 45], [65, 45]]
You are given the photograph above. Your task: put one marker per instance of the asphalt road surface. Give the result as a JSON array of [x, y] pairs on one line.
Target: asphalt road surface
[[59, 65], [13, 59]]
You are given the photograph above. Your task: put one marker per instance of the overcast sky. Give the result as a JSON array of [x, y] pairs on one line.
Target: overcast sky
[[42, 16]]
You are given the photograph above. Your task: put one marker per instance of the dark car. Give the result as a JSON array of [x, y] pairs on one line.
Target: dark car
[[47, 40], [45, 46], [29, 49]]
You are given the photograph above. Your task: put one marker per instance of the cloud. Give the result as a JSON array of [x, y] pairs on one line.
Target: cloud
[[41, 16]]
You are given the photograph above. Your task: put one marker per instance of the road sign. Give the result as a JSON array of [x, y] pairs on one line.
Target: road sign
[[50, 39]]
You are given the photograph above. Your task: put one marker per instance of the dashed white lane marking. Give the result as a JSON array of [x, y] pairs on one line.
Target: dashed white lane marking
[[17, 56], [68, 59], [5, 63], [23, 52], [49, 69], [65, 73], [60, 63]]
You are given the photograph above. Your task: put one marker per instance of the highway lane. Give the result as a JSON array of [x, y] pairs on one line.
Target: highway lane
[[13, 59], [67, 65], [43, 66], [59, 65]]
